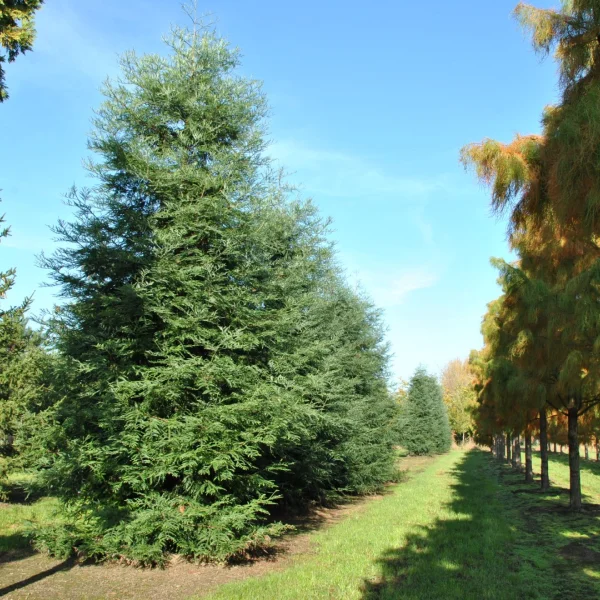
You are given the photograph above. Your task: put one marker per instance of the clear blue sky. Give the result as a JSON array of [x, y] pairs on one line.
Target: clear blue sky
[[371, 104]]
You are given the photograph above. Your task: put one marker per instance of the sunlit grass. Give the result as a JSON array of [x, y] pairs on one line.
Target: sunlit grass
[[558, 466], [449, 532]]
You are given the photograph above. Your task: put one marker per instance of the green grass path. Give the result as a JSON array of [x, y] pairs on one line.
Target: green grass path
[[450, 531], [464, 527]]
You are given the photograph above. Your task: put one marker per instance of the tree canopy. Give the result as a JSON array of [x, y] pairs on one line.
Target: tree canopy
[[17, 33]]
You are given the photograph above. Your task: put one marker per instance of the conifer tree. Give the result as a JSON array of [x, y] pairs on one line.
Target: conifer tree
[[423, 423], [24, 379], [558, 259], [220, 363]]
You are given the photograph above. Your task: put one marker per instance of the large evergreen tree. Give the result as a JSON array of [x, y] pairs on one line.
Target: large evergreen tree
[[221, 364], [424, 426]]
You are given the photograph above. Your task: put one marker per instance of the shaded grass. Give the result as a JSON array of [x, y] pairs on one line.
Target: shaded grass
[[451, 531], [15, 519], [569, 542]]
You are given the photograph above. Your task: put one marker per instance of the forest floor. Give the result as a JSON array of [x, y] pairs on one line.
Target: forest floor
[[460, 526]]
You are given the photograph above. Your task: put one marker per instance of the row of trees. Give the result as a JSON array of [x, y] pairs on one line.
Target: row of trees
[[542, 336], [208, 361]]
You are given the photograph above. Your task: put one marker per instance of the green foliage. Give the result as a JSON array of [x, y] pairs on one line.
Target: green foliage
[[217, 362], [543, 341], [25, 381], [459, 396], [423, 422], [17, 32]]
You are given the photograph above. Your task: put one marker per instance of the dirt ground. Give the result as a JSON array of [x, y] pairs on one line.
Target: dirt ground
[[37, 577]]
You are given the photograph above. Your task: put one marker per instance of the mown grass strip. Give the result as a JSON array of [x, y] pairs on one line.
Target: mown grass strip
[[558, 465], [451, 531]]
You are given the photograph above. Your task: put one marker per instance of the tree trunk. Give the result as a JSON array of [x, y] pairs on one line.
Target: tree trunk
[[586, 450], [555, 448], [517, 453], [574, 475], [513, 454], [508, 447], [544, 449], [528, 459], [597, 451]]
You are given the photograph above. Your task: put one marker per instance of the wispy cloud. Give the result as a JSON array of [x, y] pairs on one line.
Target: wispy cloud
[[388, 287], [393, 292], [337, 174]]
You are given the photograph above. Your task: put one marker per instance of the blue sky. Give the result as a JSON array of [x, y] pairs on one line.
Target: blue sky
[[371, 104]]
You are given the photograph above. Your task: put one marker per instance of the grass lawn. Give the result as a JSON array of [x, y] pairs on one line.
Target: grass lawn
[[13, 522], [451, 531], [462, 526], [558, 465]]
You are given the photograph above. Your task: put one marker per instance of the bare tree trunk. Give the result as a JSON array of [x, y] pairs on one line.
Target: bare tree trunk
[[517, 453], [555, 448], [544, 449], [513, 454], [586, 450], [597, 450], [508, 448], [528, 459], [574, 475]]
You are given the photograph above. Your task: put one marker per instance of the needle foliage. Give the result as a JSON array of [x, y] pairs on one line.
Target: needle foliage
[[220, 364]]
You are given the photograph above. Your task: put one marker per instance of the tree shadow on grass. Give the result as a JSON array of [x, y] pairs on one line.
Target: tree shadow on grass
[[491, 545], [66, 565], [13, 547]]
